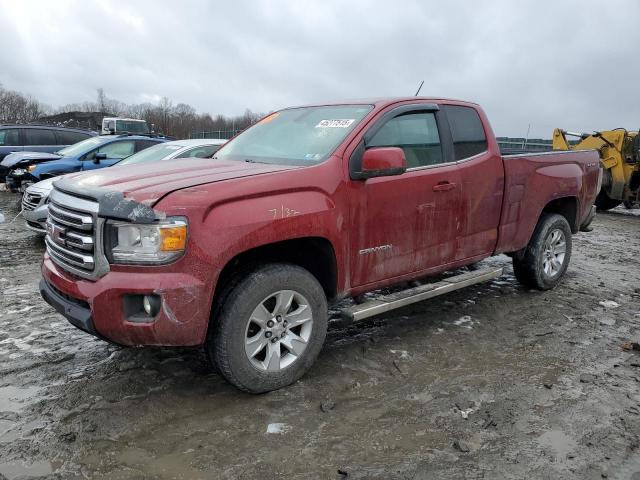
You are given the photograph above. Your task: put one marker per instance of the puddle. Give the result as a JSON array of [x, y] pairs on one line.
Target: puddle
[[12, 399], [12, 470], [558, 441], [1, 218]]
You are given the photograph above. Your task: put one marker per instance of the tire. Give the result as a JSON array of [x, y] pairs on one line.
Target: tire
[[253, 343], [604, 202], [537, 267]]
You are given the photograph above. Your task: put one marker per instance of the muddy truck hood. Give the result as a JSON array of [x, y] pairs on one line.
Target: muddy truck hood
[[131, 190], [17, 157]]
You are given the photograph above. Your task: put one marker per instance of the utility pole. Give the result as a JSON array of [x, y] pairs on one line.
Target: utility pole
[[526, 140]]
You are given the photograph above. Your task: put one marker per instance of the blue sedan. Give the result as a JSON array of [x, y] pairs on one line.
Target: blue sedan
[[93, 153]]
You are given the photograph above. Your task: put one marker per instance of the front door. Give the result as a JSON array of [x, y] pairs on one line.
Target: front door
[[115, 151], [410, 222]]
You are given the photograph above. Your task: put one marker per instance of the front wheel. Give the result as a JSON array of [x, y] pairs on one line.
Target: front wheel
[[545, 260], [269, 329]]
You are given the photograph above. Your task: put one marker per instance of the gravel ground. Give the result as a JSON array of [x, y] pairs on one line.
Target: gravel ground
[[492, 382]]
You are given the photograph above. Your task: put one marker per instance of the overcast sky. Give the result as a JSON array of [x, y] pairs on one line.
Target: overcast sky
[[573, 64]]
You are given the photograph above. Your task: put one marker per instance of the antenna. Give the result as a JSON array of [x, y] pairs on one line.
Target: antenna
[[419, 88]]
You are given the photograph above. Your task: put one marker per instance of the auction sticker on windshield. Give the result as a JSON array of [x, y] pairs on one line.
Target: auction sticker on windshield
[[340, 123]]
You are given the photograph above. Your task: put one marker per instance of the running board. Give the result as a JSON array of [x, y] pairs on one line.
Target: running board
[[418, 294]]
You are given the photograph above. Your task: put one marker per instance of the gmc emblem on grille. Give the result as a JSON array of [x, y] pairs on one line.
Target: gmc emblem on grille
[[56, 233]]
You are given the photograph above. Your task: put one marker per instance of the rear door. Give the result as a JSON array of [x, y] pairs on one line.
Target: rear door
[[409, 222], [482, 174]]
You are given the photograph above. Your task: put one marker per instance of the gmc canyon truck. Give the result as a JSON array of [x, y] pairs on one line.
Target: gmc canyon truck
[[242, 253]]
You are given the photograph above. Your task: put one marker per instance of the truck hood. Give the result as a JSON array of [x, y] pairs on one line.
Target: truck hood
[[17, 157], [147, 183]]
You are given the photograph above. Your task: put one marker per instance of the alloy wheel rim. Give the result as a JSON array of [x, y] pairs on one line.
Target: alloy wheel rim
[[554, 252], [278, 331]]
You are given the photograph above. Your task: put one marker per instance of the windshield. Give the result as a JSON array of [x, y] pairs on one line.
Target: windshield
[[131, 126], [80, 147], [152, 154], [297, 136]]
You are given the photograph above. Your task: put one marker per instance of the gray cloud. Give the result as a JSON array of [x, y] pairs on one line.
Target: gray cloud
[[572, 64]]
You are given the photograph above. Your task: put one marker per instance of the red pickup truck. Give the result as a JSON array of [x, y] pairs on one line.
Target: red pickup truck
[[243, 252]]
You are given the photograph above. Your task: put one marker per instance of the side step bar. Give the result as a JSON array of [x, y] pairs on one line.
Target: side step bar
[[418, 294]]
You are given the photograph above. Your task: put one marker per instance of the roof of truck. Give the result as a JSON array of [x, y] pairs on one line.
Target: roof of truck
[[382, 101]]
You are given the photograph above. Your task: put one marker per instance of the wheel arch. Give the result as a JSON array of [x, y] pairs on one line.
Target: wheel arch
[[315, 254], [565, 206]]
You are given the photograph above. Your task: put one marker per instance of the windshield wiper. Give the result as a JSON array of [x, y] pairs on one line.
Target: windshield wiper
[[249, 160]]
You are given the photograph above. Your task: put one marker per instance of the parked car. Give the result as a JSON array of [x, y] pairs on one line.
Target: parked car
[[93, 153], [36, 138], [310, 205], [36, 197]]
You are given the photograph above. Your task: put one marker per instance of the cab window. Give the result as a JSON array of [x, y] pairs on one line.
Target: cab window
[[467, 131], [416, 134]]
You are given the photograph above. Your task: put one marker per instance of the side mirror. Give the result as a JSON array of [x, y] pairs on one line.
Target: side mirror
[[99, 156], [382, 162]]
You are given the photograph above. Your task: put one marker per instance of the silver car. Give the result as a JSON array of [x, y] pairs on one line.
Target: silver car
[[36, 197]]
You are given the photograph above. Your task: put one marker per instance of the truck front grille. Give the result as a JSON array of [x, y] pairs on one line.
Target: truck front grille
[[73, 229], [30, 201]]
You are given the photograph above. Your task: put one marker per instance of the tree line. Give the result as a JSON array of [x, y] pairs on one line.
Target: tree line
[[180, 120]]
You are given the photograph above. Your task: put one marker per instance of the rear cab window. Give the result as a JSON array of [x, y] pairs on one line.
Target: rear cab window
[[467, 131]]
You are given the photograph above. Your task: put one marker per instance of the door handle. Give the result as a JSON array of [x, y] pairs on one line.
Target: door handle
[[444, 187]]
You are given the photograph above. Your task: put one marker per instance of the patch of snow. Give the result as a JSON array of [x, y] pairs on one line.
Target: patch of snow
[[403, 353], [609, 304], [277, 428]]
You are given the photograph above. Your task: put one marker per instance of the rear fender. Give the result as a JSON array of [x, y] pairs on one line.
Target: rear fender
[[531, 186]]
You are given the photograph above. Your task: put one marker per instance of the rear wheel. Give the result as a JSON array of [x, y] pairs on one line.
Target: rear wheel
[[545, 260], [605, 202], [270, 328]]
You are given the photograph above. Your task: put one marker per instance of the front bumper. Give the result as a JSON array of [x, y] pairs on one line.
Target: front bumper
[[76, 311], [37, 219], [99, 307], [18, 182]]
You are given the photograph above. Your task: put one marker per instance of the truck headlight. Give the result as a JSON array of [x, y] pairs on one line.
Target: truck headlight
[[153, 243]]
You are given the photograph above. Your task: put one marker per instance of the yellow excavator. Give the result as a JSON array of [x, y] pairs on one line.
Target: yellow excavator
[[620, 161]]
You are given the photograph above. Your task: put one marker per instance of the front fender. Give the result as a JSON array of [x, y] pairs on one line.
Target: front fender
[[55, 168], [231, 217]]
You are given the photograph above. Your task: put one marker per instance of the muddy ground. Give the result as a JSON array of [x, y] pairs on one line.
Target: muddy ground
[[493, 382]]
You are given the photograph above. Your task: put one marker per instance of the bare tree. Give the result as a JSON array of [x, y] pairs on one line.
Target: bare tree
[[181, 120], [102, 100]]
